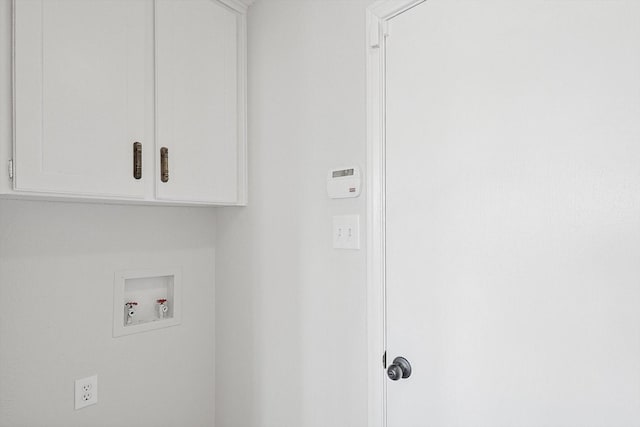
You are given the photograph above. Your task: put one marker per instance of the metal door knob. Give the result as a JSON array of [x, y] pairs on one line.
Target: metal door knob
[[400, 368]]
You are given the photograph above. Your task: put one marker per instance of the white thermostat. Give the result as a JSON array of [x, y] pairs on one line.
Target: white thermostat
[[343, 183]]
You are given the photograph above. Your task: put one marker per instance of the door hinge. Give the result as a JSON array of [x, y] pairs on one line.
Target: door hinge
[[384, 360], [11, 169]]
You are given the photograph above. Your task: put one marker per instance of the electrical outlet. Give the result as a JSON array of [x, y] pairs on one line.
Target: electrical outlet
[[86, 392]]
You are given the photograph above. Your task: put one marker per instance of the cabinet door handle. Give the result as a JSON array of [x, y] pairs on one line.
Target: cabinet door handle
[[164, 164], [137, 160]]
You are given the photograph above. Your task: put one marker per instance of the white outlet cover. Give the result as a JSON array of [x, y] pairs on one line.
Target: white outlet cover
[[346, 232], [86, 392]]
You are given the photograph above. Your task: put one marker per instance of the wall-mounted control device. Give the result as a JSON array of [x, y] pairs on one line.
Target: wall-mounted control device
[[343, 183]]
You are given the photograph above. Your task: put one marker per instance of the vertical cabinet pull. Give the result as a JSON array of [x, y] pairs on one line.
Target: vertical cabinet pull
[[164, 164], [137, 160]]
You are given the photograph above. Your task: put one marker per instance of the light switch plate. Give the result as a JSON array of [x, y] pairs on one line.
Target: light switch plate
[[346, 232]]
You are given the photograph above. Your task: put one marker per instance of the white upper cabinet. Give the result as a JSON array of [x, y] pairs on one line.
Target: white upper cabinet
[[197, 100], [93, 77], [79, 95]]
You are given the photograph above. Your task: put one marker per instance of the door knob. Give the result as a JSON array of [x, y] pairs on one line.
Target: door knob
[[400, 368]]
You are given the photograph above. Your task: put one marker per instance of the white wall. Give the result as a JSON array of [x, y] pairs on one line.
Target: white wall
[[57, 262], [291, 311]]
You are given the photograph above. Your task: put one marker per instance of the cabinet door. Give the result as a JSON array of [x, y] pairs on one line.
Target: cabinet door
[[80, 95], [197, 100]]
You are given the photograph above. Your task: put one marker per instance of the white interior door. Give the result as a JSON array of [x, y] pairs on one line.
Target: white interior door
[[197, 99], [513, 213], [81, 82]]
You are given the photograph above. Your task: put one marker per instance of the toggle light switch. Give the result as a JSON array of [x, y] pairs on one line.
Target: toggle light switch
[[346, 232]]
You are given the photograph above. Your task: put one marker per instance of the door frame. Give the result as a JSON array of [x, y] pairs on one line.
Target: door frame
[[378, 16]]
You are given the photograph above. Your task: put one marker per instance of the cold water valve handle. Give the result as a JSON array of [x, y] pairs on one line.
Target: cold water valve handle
[[163, 309]]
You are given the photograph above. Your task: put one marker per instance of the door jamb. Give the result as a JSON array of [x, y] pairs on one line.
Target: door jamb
[[378, 16]]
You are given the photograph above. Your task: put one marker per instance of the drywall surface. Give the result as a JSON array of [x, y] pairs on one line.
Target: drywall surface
[[57, 264], [291, 310]]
